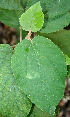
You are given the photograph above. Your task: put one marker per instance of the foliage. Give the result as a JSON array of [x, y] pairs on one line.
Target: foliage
[[61, 39], [39, 113], [33, 18], [13, 102], [55, 18], [68, 73], [56, 14], [67, 60], [39, 71], [10, 17], [35, 72], [8, 4]]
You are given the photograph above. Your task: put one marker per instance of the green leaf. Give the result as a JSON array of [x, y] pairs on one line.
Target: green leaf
[[56, 17], [57, 24], [67, 59], [10, 17], [57, 110], [61, 39], [68, 71], [33, 18], [40, 71], [11, 4], [13, 102], [39, 113]]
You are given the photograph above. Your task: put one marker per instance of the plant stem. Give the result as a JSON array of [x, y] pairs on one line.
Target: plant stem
[[20, 33], [29, 36]]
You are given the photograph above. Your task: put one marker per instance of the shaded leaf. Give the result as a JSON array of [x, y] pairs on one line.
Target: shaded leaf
[[68, 72], [61, 39], [13, 102], [39, 113], [10, 17], [11, 4], [57, 24]]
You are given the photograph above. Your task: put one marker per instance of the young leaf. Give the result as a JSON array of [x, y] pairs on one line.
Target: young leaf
[[40, 71], [13, 102], [33, 18], [56, 14]]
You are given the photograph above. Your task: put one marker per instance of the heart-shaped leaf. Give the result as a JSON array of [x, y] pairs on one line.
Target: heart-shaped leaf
[[33, 18], [13, 102], [40, 71]]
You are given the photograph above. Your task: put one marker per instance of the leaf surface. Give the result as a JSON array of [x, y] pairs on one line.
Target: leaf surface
[[10, 17], [11, 4], [67, 59], [39, 113], [13, 102], [41, 72], [9, 14], [57, 24], [56, 14], [61, 39], [33, 18]]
